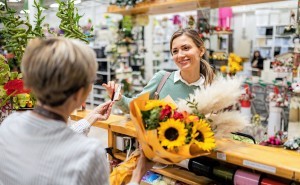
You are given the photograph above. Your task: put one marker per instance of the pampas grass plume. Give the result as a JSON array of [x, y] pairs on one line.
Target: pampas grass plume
[[226, 122], [221, 94]]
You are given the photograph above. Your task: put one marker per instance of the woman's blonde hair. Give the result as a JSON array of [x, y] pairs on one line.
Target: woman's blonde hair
[[205, 68], [56, 68]]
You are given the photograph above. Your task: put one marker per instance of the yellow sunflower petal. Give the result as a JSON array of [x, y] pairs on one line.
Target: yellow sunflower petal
[[208, 141], [175, 126]]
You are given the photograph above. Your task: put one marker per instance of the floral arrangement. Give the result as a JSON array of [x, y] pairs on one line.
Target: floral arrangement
[[246, 96], [277, 98], [278, 139], [292, 144], [12, 92], [234, 64], [283, 63], [170, 133], [176, 129]]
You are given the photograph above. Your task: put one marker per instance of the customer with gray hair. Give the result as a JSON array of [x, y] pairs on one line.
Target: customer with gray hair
[[37, 147]]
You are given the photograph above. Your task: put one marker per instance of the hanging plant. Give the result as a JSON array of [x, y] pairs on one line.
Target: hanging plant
[[69, 24], [38, 29], [17, 32]]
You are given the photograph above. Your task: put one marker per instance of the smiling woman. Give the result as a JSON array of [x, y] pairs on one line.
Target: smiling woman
[[194, 73]]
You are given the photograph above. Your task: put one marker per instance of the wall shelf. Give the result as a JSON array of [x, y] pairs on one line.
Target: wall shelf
[[171, 6], [160, 7]]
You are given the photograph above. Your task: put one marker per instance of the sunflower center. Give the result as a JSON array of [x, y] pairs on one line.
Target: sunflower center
[[171, 134], [200, 137]]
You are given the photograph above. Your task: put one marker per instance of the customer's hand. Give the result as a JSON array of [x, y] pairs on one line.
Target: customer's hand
[[101, 112], [143, 165], [110, 87]]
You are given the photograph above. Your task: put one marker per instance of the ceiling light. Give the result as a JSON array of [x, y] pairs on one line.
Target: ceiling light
[[56, 5], [14, 1]]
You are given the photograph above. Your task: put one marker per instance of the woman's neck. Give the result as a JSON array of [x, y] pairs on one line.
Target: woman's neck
[[59, 110], [190, 77]]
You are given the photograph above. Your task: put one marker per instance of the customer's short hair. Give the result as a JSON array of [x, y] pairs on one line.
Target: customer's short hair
[[56, 68]]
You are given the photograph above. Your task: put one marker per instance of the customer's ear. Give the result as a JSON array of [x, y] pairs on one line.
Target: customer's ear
[[78, 96]]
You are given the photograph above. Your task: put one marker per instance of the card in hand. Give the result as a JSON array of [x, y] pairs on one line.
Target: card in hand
[[116, 93]]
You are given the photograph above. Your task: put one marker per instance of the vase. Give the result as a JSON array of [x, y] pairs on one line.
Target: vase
[[274, 123]]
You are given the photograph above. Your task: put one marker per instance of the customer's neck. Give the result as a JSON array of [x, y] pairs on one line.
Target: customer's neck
[[190, 77], [59, 110]]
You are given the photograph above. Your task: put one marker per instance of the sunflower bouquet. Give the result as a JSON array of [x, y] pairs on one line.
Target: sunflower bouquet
[[169, 133]]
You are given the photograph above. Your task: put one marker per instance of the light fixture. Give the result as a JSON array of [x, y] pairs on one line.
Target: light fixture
[[56, 5], [14, 1]]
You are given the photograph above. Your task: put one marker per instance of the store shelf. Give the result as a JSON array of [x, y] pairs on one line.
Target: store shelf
[[120, 155], [105, 73], [183, 175], [275, 161], [98, 87], [101, 60], [229, 3], [175, 172], [170, 6], [160, 7]]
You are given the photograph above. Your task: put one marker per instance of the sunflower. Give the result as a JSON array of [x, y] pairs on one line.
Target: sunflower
[[157, 103], [203, 136], [191, 118], [171, 133]]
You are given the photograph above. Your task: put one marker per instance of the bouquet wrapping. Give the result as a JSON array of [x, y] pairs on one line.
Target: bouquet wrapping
[[169, 133]]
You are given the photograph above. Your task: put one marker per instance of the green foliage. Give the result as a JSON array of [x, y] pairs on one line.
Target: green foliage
[[151, 118], [189, 128], [38, 29], [192, 104], [17, 32], [69, 16]]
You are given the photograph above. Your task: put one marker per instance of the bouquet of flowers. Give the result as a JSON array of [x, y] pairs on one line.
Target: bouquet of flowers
[[278, 99], [170, 133], [12, 92], [283, 63], [234, 64]]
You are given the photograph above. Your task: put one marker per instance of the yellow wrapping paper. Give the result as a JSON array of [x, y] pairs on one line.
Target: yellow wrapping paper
[[123, 172], [149, 142]]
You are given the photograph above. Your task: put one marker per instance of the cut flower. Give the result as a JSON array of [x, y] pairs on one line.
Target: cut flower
[[172, 133], [203, 136]]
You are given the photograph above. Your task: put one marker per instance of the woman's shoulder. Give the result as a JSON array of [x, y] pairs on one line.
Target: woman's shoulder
[[161, 73]]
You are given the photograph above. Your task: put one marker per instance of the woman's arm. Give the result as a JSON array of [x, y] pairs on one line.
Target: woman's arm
[[123, 103], [101, 112]]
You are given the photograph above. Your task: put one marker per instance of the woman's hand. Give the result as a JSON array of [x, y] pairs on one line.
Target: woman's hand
[[101, 112], [143, 165], [110, 87]]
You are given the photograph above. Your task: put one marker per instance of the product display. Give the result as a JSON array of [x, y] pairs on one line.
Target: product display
[[238, 129]]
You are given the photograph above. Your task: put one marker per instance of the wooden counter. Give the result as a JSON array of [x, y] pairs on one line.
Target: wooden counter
[[275, 161]]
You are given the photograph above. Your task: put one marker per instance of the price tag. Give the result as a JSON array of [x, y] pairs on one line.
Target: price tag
[[221, 156], [259, 166]]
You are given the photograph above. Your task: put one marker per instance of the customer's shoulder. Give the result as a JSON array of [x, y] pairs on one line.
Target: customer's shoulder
[[160, 74]]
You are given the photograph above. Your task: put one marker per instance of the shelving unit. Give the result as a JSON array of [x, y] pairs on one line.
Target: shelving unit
[[274, 161], [270, 40], [104, 74]]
